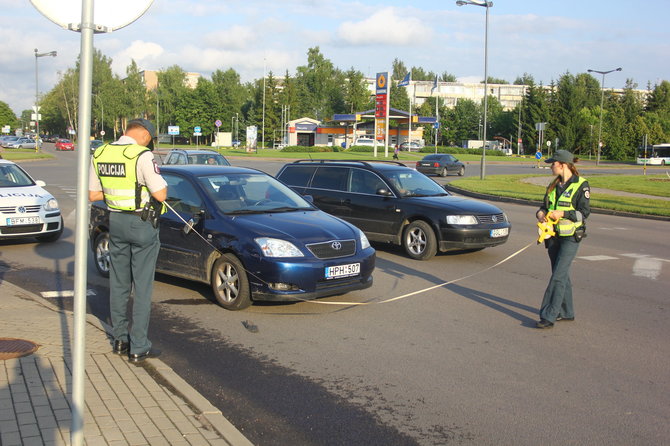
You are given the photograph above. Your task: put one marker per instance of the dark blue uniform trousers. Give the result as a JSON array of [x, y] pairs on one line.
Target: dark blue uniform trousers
[[558, 295], [133, 249]]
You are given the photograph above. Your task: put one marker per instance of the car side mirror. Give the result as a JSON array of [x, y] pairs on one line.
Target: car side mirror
[[383, 191], [193, 221], [40, 183], [309, 198]]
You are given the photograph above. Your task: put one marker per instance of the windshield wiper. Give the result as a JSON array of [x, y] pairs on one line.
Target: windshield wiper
[[246, 211], [288, 209]]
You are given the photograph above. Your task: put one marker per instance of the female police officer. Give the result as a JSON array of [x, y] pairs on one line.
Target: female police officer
[[566, 201]]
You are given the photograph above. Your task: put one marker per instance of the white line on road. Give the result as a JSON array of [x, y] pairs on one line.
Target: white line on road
[[64, 293], [597, 258]]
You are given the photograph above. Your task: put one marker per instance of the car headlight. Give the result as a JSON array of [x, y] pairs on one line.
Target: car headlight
[[273, 247], [51, 205], [365, 243], [461, 220]]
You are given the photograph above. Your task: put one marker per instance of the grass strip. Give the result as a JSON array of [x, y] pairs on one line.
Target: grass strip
[[512, 186]]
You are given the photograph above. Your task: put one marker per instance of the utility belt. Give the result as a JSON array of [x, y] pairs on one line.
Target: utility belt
[[150, 212]]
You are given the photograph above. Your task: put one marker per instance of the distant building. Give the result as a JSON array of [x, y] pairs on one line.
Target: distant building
[[150, 78], [450, 93]]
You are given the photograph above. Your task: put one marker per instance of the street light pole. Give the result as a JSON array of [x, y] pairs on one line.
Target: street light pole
[[102, 119], [37, 108], [602, 98], [487, 5]]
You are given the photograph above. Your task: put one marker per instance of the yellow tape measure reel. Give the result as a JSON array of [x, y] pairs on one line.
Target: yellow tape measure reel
[[545, 229]]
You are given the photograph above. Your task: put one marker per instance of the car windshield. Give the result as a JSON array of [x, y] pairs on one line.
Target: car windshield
[[411, 183], [245, 193], [12, 176]]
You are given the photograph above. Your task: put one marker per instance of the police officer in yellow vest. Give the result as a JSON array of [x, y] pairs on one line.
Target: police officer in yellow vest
[[566, 200], [125, 174]]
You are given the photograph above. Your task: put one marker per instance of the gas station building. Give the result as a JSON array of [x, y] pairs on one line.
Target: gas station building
[[344, 129]]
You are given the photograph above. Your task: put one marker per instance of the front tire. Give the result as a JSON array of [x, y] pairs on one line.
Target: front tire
[[101, 256], [419, 240], [230, 284], [461, 171]]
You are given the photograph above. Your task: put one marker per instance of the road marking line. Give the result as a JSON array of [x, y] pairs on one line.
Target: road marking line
[[64, 293], [645, 256], [597, 258]]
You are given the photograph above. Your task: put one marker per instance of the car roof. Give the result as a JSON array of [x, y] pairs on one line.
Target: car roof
[[196, 170], [379, 165]]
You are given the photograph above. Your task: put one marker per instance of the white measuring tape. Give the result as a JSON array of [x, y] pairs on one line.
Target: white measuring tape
[[393, 299]]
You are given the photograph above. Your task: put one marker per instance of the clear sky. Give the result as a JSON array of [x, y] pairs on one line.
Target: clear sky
[[544, 38]]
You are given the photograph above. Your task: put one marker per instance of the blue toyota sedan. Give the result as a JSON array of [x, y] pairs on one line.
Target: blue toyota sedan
[[250, 237]]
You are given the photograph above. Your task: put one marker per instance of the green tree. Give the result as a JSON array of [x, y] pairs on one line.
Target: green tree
[[321, 86], [659, 98], [356, 93], [524, 79], [535, 110], [171, 88], [231, 96], [495, 80], [399, 70], [7, 116]]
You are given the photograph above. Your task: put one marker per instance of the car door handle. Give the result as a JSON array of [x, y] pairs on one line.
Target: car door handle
[[346, 201]]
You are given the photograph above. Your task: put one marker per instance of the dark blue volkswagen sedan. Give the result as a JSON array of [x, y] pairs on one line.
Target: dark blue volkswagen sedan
[[250, 237]]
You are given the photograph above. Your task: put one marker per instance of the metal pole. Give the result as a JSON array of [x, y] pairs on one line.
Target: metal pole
[[263, 132], [518, 132], [600, 125], [37, 110], [602, 98], [486, 87], [409, 128], [37, 107], [82, 216]]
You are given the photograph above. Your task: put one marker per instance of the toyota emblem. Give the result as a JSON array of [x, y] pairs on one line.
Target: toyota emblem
[[21, 209], [336, 246]]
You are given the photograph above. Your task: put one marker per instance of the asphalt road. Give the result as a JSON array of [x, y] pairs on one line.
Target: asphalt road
[[460, 364]]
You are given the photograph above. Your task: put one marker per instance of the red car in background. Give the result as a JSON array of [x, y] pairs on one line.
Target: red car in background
[[64, 144]]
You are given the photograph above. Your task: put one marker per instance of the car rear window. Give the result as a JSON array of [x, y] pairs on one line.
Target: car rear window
[[296, 175]]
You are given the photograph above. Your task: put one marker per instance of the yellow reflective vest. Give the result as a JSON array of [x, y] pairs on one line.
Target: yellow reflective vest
[[116, 166], [565, 227]]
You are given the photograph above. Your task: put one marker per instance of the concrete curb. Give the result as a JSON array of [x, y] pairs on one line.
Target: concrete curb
[[499, 198], [213, 415]]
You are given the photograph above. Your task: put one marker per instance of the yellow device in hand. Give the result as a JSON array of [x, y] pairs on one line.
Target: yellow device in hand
[[545, 229]]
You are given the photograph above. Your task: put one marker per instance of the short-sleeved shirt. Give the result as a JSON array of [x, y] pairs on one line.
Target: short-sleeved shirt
[[148, 173]]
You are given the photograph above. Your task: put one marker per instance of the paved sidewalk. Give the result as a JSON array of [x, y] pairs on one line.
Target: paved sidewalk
[[125, 404]]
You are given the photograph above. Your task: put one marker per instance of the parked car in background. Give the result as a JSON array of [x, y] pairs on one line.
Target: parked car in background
[[64, 144], [411, 146], [440, 164], [22, 143], [198, 156], [5, 140], [250, 237], [365, 142], [26, 209], [393, 203], [95, 143]]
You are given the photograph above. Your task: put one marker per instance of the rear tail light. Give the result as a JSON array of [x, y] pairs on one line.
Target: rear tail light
[[436, 164], [418, 164]]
